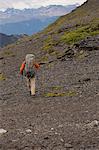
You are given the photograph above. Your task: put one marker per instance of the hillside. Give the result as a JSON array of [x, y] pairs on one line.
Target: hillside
[[83, 15], [64, 114], [65, 32], [9, 39]]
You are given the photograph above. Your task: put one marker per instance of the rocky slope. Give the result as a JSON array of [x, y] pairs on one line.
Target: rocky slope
[[64, 113]]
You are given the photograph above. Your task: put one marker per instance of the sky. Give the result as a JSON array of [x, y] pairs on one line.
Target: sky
[[21, 4]]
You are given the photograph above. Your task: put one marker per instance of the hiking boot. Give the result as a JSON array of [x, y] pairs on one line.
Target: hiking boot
[[33, 95]]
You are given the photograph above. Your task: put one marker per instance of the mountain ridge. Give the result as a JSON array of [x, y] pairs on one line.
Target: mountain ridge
[[30, 21], [27, 14], [79, 16]]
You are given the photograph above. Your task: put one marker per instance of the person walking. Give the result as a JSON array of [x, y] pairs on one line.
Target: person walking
[[28, 69]]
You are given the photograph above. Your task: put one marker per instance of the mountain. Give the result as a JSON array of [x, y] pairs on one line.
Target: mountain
[[28, 27], [64, 112], [30, 21], [8, 39], [69, 29], [12, 15]]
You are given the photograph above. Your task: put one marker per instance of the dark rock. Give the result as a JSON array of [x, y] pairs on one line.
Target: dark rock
[[90, 43], [87, 79], [46, 138]]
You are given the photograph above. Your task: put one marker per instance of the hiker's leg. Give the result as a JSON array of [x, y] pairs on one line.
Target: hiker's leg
[[28, 84], [32, 86]]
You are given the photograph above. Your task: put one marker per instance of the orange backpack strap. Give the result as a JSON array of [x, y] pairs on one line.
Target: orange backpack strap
[[22, 67]]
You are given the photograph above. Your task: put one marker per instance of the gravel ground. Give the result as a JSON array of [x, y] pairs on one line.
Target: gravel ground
[[64, 114]]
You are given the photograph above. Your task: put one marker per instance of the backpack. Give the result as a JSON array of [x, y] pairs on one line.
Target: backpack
[[29, 70]]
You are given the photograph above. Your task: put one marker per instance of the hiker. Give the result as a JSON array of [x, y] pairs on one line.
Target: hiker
[[28, 69]]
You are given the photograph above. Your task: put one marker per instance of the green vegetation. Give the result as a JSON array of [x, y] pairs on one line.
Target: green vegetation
[[80, 55], [8, 53], [54, 94], [56, 87], [56, 53], [69, 94], [44, 58], [10, 46], [2, 77], [80, 33], [48, 45], [26, 38]]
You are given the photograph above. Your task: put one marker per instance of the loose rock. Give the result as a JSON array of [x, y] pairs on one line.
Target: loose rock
[[2, 131]]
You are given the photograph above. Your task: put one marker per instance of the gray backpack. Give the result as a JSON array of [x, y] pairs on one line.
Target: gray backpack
[[29, 67]]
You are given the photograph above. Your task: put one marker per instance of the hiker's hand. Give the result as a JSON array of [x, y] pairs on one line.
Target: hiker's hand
[[37, 66]]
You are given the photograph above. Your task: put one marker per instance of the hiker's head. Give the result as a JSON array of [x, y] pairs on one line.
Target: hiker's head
[[30, 57]]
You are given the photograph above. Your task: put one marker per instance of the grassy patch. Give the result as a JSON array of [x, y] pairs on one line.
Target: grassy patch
[[69, 94], [56, 87], [54, 94], [80, 33], [2, 77], [81, 55], [44, 58], [56, 53], [10, 46], [25, 38], [48, 45], [8, 53]]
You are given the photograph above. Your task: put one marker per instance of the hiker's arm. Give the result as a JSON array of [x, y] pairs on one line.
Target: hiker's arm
[[22, 68]]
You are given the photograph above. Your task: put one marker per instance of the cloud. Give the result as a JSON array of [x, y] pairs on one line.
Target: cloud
[[21, 4]]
